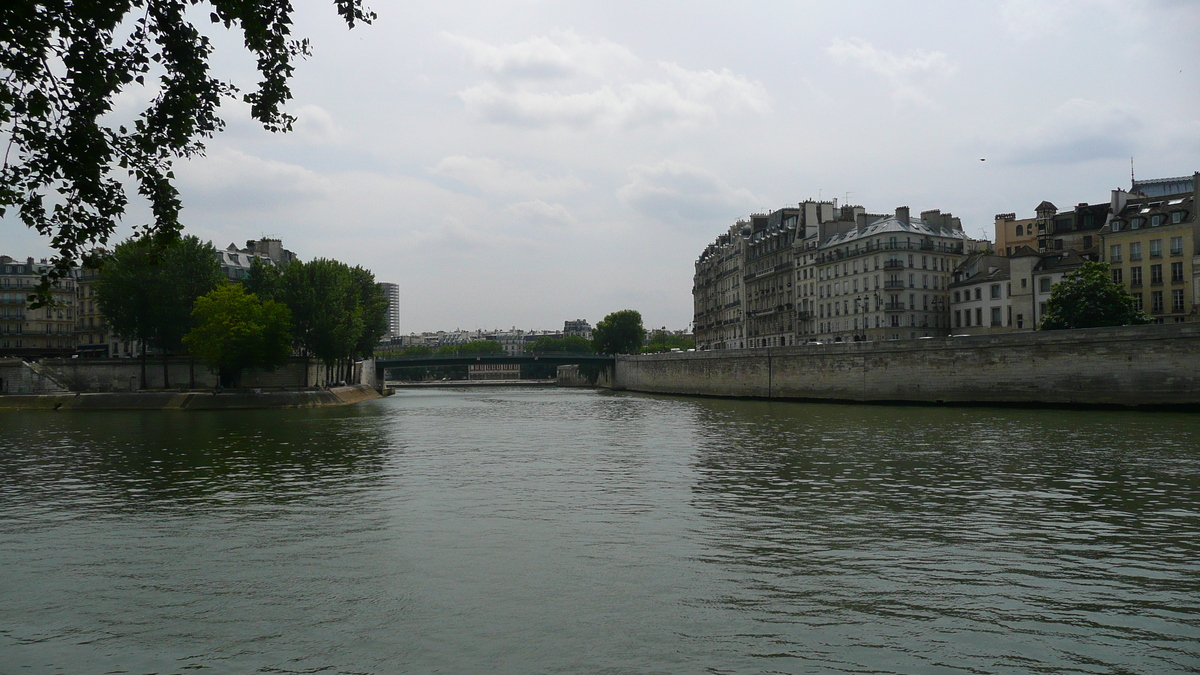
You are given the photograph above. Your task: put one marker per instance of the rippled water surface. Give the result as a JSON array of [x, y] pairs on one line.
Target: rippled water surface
[[518, 530]]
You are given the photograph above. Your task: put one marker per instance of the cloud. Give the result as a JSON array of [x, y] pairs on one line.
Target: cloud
[[231, 180], [561, 55], [315, 125], [908, 75], [564, 81], [495, 177], [539, 212], [675, 192], [1077, 131]]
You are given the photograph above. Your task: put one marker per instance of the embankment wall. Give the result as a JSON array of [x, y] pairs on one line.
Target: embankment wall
[[170, 400], [124, 375], [1125, 366]]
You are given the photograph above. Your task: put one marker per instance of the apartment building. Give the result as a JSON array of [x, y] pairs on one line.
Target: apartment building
[[27, 332], [886, 278], [717, 291], [1150, 245], [1013, 233], [769, 280], [981, 295]]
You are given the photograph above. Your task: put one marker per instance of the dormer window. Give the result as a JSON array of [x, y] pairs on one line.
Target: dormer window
[[1115, 225], [1177, 216], [1135, 223], [1156, 220]]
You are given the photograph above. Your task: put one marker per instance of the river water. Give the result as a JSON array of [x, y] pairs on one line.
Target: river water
[[574, 531]]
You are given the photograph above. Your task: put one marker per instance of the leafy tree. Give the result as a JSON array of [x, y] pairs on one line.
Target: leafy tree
[[664, 341], [189, 270], [570, 344], [619, 333], [327, 320], [235, 330], [65, 62], [1089, 298], [263, 280], [374, 306], [146, 289], [473, 348]]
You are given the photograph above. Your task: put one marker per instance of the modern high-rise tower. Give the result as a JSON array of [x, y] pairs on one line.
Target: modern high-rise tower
[[392, 293]]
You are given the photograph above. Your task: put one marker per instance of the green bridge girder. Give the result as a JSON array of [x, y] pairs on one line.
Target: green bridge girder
[[388, 363]]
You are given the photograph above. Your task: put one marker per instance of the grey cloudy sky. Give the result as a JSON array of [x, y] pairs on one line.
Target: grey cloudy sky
[[522, 163]]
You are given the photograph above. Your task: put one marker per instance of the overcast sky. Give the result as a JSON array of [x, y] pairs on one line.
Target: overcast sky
[[522, 163]]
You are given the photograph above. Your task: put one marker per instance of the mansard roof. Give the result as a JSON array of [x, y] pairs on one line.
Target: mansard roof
[[887, 224]]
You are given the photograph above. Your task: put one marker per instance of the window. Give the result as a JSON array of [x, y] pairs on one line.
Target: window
[[1135, 276], [1156, 302], [1117, 276], [956, 296], [1156, 220], [1023, 284], [1020, 321], [996, 316], [1156, 274], [995, 291], [1156, 248], [1115, 225], [1177, 217], [1114, 253], [1176, 272], [1020, 231], [1087, 241], [1044, 285], [1177, 300], [978, 316], [957, 318], [978, 293], [1176, 245], [1135, 223], [1135, 250]]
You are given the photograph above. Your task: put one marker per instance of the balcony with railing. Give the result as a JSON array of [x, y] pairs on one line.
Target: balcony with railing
[[895, 307], [893, 264], [893, 284]]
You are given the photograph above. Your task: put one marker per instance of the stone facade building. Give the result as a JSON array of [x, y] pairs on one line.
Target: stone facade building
[[823, 273], [887, 278], [717, 291], [27, 332], [769, 280], [1150, 244]]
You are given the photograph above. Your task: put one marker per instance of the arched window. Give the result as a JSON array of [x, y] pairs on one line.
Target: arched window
[[1020, 230]]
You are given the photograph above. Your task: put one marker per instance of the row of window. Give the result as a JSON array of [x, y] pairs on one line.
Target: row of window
[[1156, 274], [1156, 301], [1135, 249], [1156, 220]]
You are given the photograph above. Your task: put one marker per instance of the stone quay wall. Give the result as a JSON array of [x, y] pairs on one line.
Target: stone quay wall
[[1133, 366], [124, 375]]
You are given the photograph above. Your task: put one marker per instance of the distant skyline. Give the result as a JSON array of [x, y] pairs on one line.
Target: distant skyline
[[524, 163]]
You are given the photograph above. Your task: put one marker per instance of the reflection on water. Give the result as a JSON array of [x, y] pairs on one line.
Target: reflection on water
[[575, 531], [924, 538]]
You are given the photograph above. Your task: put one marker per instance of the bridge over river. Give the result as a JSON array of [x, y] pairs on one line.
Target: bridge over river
[[385, 363]]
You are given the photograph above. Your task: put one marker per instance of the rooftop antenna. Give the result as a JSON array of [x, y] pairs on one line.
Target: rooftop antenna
[[1132, 180], [848, 196]]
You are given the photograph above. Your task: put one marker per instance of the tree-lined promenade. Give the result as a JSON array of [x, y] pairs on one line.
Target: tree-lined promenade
[[172, 297]]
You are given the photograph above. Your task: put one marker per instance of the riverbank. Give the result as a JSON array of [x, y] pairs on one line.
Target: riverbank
[[191, 400], [1123, 367]]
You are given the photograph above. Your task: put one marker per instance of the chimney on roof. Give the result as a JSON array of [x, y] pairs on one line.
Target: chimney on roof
[[29, 260], [902, 214]]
